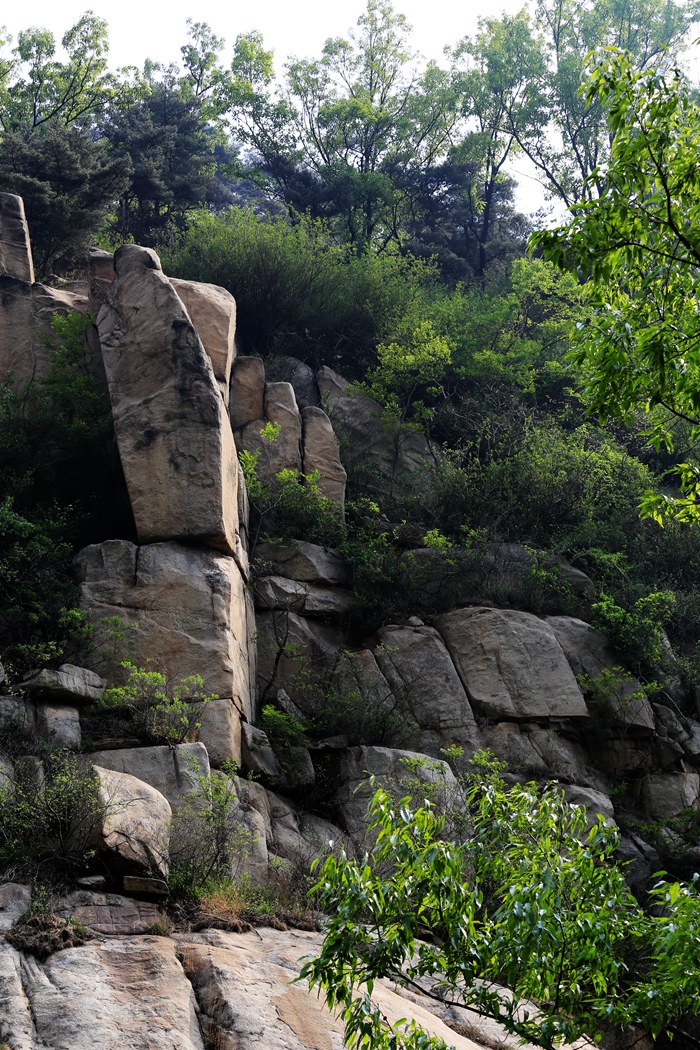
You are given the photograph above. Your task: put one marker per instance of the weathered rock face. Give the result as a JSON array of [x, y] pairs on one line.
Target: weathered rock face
[[191, 607], [113, 993], [389, 454], [322, 454], [135, 832], [243, 987], [15, 248], [389, 767], [172, 771], [589, 654], [212, 311], [306, 562], [511, 664], [420, 671], [26, 311], [172, 430]]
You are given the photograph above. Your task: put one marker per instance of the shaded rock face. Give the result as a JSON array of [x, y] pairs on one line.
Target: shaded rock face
[[191, 607], [247, 391], [173, 771], [172, 430], [212, 311], [25, 326], [386, 453], [321, 450]]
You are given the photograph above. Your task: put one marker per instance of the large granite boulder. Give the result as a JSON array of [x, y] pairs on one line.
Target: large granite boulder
[[172, 430], [175, 772], [511, 665], [421, 674], [247, 391], [135, 832], [191, 607], [115, 993], [306, 562], [279, 592], [399, 772], [386, 453], [589, 655]]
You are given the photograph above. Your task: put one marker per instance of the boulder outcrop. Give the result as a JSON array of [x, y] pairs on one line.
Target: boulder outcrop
[[172, 430]]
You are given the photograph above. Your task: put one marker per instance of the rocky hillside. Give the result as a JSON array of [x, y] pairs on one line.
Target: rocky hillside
[[312, 690]]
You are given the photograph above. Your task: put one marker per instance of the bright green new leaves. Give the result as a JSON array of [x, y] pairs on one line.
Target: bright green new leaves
[[531, 901], [639, 245]]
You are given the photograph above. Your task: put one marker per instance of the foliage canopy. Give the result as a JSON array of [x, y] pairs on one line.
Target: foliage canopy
[[529, 899]]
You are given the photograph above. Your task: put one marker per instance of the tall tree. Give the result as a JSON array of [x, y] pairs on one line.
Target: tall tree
[[354, 121], [638, 245], [567, 137]]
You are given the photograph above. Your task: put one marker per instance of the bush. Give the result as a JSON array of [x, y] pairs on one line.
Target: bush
[[209, 841], [298, 292], [636, 634], [162, 712], [49, 824]]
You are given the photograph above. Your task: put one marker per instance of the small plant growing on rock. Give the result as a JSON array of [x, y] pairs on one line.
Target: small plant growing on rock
[[160, 711]]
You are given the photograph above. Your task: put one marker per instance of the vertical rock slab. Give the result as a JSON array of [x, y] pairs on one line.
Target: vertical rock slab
[[212, 311], [321, 452], [172, 430], [247, 391], [15, 248], [512, 665], [191, 607]]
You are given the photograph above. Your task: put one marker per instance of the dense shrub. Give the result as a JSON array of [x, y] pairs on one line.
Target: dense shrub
[[299, 292]]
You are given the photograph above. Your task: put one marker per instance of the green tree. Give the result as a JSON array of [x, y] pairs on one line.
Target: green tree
[[637, 244], [355, 121], [530, 901]]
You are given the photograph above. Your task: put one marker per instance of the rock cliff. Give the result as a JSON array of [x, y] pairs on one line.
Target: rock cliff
[[267, 623]]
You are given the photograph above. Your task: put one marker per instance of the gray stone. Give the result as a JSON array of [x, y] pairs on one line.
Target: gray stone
[[664, 795], [589, 654], [288, 643], [256, 754], [15, 899], [389, 767], [321, 452], [173, 434], [15, 247], [247, 391], [220, 731], [212, 311], [596, 803], [173, 771], [300, 375], [58, 725], [387, 454], [511, 665], [422, 676], [69, 684], [279, 592], [191, 607], [306, 562]]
